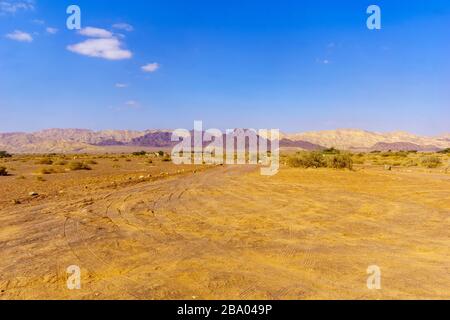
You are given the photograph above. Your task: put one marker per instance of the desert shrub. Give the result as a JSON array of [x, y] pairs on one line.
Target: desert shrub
[[410, 163], [116, 166], [331, 151], [115, 160], [167, 158], [40, 178], [401, 154], [4, 154], [61, 163], [3, 171], [91, 162], [445, 151], [140, 153], [45, 171], [150, 161], [45, 161], [128, 160], [340, 161], [76, 165], [431, 162], [307, 160], [161, 153]]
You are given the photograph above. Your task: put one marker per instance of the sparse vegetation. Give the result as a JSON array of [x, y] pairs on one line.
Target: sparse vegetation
[[61, 163], [445, 151], [76, 166], [340, 161], [431, 162], [331, 151], [4, 154], [46, 161], [46, 171], [307, 160], [3, 171], [140, 153]]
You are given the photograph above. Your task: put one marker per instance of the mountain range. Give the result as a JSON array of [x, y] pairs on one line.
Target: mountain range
[[85, 141]]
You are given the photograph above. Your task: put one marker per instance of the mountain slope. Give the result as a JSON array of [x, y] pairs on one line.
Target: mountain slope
[[81, 140]]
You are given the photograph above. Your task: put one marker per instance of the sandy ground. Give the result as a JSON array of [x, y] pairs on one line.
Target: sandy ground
[[230, 233]]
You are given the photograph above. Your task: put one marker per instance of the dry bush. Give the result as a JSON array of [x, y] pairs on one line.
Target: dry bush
[[431, 162], [340, 161], [61, 163], [4, 154], [76, 166], [3, 171], [139, 153], [332, 158], [47, 161], [91, 162], [45, 171], [307, 160]]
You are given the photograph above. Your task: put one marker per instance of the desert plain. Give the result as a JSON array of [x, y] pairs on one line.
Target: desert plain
[[140, 227]]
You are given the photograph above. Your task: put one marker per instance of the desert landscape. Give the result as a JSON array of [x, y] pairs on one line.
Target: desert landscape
[[190, 151], [140, 227]]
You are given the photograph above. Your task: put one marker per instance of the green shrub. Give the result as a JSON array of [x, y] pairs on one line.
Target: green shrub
[[3, 171], [4, 154], [340, 161], [139, 153], [76, 165], [431, 162], [307, 160]]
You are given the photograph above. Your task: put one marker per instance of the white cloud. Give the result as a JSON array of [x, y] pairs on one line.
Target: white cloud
[[123, 26], [107, 46], [121, 85], [151, 67], [109, 49], [13, 6], [95, 32], [51, 30], [20, 36]]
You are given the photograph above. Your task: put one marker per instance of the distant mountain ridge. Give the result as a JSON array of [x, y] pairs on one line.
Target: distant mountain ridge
[[83, 140]]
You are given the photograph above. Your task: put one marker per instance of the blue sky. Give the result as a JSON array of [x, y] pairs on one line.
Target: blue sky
[[292, 65]]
